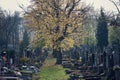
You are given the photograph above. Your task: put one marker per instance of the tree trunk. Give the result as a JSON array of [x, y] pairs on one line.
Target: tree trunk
[[59, 57], [54, 53]]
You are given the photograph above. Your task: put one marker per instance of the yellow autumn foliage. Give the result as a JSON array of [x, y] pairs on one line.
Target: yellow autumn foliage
[[54, 19], [67, 44]]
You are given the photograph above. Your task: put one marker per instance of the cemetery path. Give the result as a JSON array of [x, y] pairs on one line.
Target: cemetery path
[[50, 71], [50, 61]]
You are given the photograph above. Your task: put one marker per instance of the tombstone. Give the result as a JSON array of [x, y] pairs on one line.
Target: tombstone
[[104, 61], [93, 59], [0, 65], [116, 63], [111, 72], [116, 57]]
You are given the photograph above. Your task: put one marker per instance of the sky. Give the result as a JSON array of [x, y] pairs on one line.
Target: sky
[[12, 5], [106, 4]]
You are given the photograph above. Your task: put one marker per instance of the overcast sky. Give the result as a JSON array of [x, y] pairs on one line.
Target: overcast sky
[[12, 5], [106, 4]]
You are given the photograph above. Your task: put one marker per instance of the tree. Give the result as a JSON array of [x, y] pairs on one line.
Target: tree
[[25, 39], [9, 29], [24, 44], [2, 17], [102, 31], [9, 33], [89, 28], [58, 22], [114, 35], [116, 4], [116, 21]]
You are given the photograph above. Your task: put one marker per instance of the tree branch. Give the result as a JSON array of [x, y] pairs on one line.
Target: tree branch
[[115, 5]]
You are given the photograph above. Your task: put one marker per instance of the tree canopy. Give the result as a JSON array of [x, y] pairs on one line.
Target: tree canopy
[[58, 22]]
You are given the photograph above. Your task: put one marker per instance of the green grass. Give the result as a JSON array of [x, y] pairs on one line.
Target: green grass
[[50, 71], [53, 73]]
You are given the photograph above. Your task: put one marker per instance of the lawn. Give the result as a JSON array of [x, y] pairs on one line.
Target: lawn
[[50, 71]]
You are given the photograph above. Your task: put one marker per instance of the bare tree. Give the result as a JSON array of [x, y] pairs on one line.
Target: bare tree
[[117, 5]]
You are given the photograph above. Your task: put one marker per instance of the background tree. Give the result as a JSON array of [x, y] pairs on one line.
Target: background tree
[[102, 31], [9, 33], [9, 29], [114, 24], [89, 28], [115, 21], [117, 4], [114, 35], [25, 39]]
